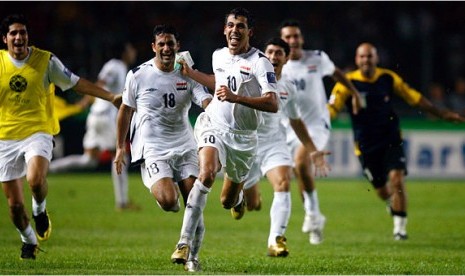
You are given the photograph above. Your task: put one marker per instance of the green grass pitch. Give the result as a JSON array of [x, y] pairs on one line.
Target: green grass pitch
[[90, 237]]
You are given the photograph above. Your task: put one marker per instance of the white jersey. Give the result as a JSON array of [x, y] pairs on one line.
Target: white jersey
[[113, 73], [272, 128], [307, 73], [161, 101], [250, 74]]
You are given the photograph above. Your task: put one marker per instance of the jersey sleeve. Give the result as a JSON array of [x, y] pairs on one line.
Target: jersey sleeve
[[290, 108], [266, 77], [403, 90], [129, 92], [327, 65], [60, 75], [337, 99], [199, 93]]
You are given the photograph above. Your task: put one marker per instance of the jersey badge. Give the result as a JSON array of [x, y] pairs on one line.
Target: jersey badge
[[181, 85], [271, 77], [311, 69]]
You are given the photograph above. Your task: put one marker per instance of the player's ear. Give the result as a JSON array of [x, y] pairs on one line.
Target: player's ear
[[251, 32], [154, 48]]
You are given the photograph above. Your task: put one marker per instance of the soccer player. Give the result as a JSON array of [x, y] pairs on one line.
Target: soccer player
[[306, 68], [273, 158], [28, 122], [377, 134], [244, 84], [159, 97], [101, 126]]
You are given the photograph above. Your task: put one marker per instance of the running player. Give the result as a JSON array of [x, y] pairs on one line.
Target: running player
[[274, 159], [377, 134], [162, 141], [306, 68], [245, 84]]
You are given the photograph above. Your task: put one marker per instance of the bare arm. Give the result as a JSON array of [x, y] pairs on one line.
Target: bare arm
[[200, 77], [357, 104], [425, 105], [123, 121], [84, 86], [267, 102], [321, 167]]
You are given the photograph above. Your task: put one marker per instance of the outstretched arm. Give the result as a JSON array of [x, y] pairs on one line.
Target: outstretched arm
[[318, 157], [86, 87], [426, 105]]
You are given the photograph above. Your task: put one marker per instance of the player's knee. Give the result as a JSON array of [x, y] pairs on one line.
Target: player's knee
[[36, 182], [207, 177], [169, 205]]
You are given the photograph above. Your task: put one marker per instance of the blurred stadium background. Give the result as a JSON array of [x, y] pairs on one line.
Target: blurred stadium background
[[423, 41]]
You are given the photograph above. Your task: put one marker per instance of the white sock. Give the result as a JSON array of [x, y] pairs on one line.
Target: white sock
[[311, 203], [198, 239], [83, 161], [193, 212], [38, 208], [400, 225], [280, 212], [120, 185], [240, 197], [28, 235]]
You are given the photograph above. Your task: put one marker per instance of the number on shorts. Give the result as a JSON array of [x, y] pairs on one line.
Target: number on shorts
[[210, 139], [152, 169]]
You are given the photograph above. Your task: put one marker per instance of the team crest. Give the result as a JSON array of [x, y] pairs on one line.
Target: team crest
[[245, 70], [18, 83], [283, 95]]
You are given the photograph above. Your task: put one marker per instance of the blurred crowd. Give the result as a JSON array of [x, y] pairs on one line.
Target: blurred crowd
[[422, 41]]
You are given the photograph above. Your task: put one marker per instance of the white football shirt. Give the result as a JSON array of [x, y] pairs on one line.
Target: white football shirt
[[113, 73], [162, 101], [307, 73], [250, 74], [272, 129]]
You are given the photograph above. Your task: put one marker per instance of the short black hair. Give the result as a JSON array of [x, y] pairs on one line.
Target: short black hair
[[279, 42], [10, 20], [241, 12], [165, 29], [289, 23]]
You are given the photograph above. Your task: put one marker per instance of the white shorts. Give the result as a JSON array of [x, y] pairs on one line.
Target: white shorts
[[269, 156], [15, 154], [177, 167], [100, 131], [236, 149], [320, 136]]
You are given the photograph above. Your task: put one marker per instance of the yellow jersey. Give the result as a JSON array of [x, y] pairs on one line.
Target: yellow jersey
[[26, 102]]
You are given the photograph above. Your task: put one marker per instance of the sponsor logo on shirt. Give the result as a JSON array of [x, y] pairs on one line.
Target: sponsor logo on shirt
[[271, 77], [181, 85], [151, 89], [311, 69], [220, 70]]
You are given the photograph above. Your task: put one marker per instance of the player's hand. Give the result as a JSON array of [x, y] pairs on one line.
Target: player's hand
[[117, 100], [224, 94], [119, 160], [185, 69], [322, 168], [452, 117]]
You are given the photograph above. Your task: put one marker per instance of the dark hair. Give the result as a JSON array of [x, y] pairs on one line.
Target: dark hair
[[289, 23], [279, 42], [165, 29], [241, 12], [10, 20]]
